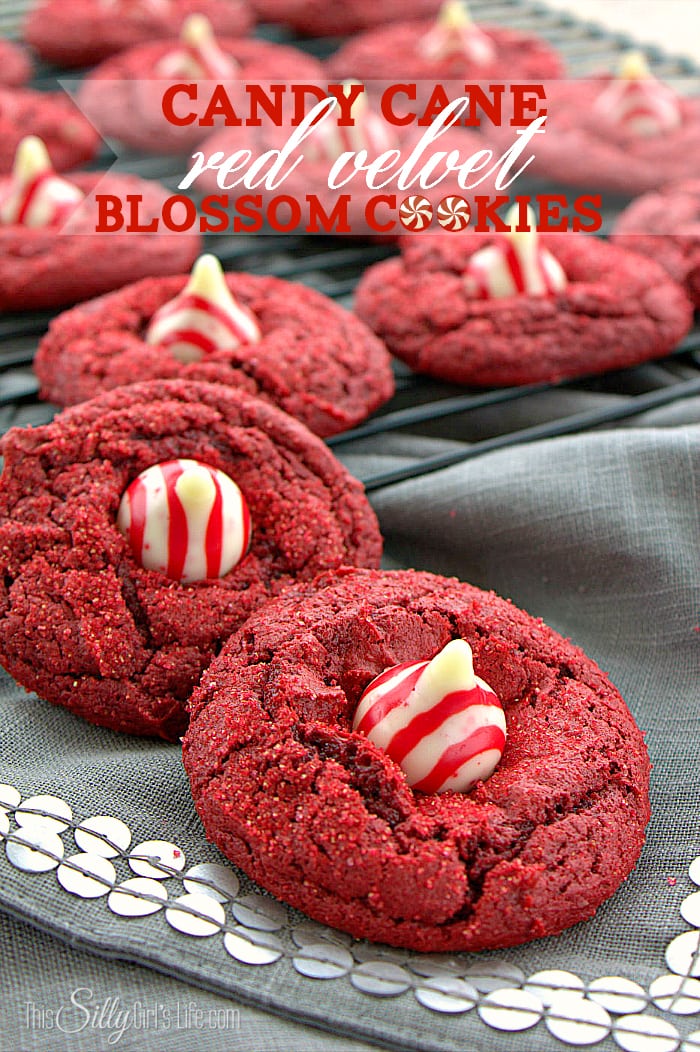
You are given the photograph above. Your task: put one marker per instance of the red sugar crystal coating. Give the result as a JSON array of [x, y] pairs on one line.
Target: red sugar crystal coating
[[84, 625], [323, 818]]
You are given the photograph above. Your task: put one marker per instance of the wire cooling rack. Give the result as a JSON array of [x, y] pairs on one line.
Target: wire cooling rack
[[333, 266]]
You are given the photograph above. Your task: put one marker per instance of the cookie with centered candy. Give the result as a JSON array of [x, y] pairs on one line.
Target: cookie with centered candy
[[450, 46], [50, 254], [418, 762], [123, 96], [626, 132], [286, 343], [139, 530], [520, 307]]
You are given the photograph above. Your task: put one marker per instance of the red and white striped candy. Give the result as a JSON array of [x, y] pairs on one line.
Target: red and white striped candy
[[637, 101], [454, 213], [203, 318], [199, 55], [37, 196], [186, 520], [368, 131], [415, 212], [443, 725], [454, 33], [514, 264]]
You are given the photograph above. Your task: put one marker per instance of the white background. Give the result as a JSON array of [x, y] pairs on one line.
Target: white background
[[672, 24]]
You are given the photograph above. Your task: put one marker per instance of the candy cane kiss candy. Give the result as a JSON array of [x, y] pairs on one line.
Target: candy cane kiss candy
[[443, 725], [637, 102], [186, 520], [37, 196], [454, 33], [203, 318], [199, 55], [515, 263]]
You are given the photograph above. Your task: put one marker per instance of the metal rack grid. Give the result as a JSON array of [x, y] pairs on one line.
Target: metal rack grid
[[334, 265]]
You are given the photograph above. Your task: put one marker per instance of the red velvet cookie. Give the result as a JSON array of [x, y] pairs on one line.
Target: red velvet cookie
[[124, 95], [666, 227], [82, 622], [321, 817], [82, 32], [397, 52], [49, 267], [618, 309], [582, 146], [15, 67], [70, 139], [321, 18], [310, 357]]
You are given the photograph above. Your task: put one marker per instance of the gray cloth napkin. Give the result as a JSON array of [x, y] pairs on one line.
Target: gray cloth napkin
[[598, 534]]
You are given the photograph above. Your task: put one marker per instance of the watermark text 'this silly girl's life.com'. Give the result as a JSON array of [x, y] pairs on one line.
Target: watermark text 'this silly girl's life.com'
[[111, 1017]]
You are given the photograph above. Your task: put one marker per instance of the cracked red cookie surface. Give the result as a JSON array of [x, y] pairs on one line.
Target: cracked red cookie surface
[[319, 18], [321, 817], [15, 67], [314, 359], [665, 226], [81, 32], [591, 141], [617, 309], [46, 266], [82, 622], [70, 139], [396, 52]]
